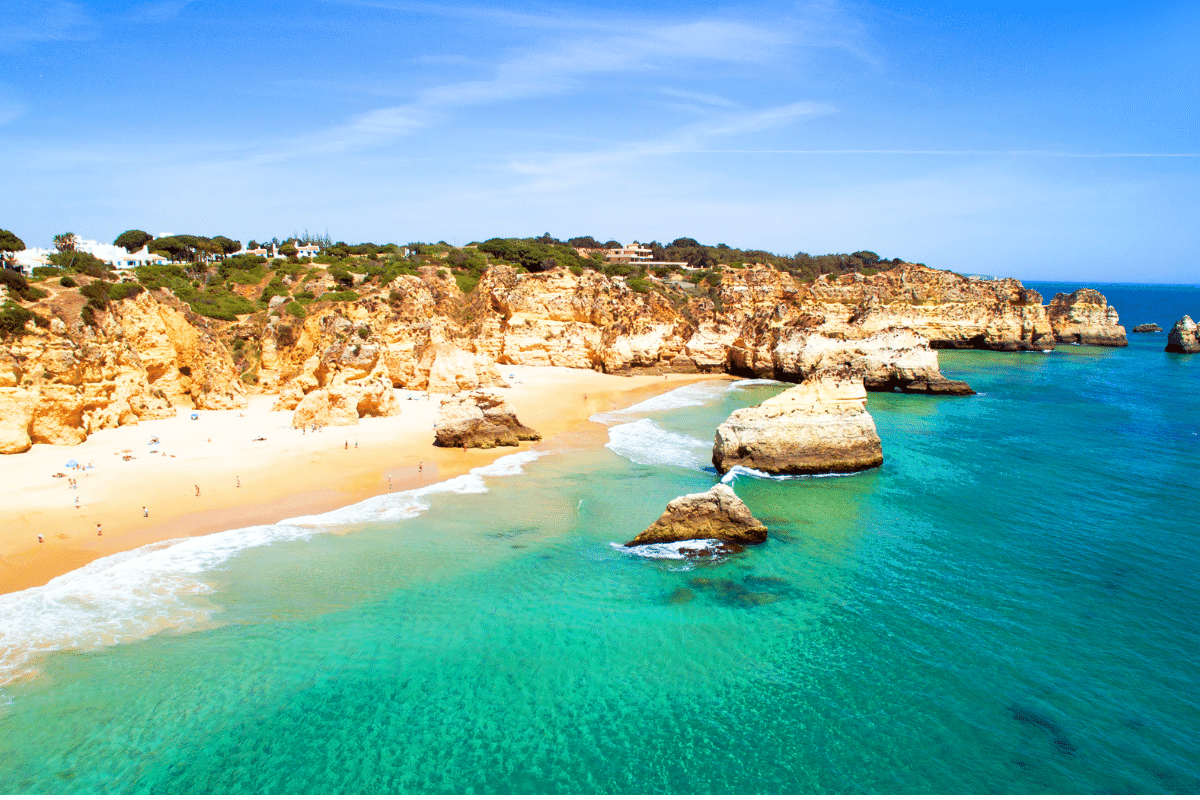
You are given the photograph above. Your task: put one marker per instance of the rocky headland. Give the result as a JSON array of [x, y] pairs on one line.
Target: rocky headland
[[66, 373], [821, 426], [1148, 327], [1184, 337], [480, 419], [716, 514], [1085, 317]]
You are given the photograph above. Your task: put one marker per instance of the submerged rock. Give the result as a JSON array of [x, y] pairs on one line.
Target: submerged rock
[[1184, 337], [716, 514], [820, 426], [480, 419], [1148, 327], [1085, 317]]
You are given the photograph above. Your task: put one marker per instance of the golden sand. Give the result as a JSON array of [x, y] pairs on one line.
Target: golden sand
[[247, 482]]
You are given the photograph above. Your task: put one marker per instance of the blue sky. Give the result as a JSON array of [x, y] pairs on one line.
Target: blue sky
[[1045, 141]]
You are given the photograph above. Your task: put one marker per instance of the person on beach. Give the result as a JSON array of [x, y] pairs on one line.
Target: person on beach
[[145, 511], [238, 478], [197, 490], [389, 483], [77, 502], [420, 466], [99, 530], [40, 538]]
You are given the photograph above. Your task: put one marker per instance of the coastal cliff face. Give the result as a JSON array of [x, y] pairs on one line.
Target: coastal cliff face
[[150, 355], [142, 360], [820, 426], [480, 419], [1085, 317]]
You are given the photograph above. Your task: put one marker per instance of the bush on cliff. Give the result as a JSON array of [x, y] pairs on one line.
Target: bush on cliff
[[19, 287], [81, 263], [13, 318], [339, 297]]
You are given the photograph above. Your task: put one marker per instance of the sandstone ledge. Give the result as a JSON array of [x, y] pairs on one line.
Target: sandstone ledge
[[481, 420]]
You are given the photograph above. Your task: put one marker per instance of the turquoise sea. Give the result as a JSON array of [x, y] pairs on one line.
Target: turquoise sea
[[1009, 604]]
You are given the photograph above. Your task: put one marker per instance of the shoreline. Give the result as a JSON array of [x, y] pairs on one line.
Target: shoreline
[[282, 472]]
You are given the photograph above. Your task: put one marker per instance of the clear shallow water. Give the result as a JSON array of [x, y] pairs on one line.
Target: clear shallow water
[[1007, 605]]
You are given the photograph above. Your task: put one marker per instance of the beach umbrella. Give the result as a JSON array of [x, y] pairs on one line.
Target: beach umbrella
[[72, 463]]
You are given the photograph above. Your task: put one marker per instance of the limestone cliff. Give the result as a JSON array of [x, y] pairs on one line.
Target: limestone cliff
[[1085, 317], [141, 360], [334, 362]]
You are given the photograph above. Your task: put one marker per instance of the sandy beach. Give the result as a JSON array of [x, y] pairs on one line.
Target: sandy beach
[[252, 467]]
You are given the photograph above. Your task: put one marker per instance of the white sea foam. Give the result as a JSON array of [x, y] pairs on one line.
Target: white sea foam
[[666, 550], [748, 382], [644, 442], [739, 471], [132, 595], [694, 394]]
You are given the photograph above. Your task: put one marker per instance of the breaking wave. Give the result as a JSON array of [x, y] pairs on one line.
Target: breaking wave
[[644, 442], [132, 595]]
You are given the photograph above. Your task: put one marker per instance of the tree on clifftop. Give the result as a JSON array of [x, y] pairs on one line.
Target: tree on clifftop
[[66, 242], [9, 243], [133, 240]]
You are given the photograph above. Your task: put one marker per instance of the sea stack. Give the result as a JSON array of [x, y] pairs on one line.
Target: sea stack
[[1085, 317], [715, 514], [1183, 338], [480, 419], [820, 426], [1148, 327]]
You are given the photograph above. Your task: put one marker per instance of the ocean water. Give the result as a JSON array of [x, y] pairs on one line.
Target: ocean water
[[1009, 604]]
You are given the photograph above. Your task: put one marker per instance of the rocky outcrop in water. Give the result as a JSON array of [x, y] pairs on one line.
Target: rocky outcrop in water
[[820, 426], [1085, 317], [1148, 327], [480, 419], [1184, 337], [716, 514]]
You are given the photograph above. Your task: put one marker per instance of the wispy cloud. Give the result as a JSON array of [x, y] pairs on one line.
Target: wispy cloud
[[699, 97], [545, 70], [55, 21], [560, 171]]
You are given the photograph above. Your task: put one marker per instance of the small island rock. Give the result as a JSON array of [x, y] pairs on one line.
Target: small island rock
[[480, 419], [1148, 327], [1184, 337], [715, 514], [820, 426]]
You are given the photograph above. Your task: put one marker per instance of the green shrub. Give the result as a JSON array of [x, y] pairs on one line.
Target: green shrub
[[13, 318], [576, 270], [68, 282], [295, 309], [340, 275], [97, 294], [47, 272], [19, 287], [639, 285], [364, 332], [120, 291], [466, 281], [272, 289], [88, 315], [221, 304]]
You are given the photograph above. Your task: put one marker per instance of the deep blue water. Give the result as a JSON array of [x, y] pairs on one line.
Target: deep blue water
[[1009, 604]]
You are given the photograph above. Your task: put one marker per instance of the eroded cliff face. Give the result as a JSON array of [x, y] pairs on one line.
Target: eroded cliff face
[[148, 356], [1085, 317], [142, 360]]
